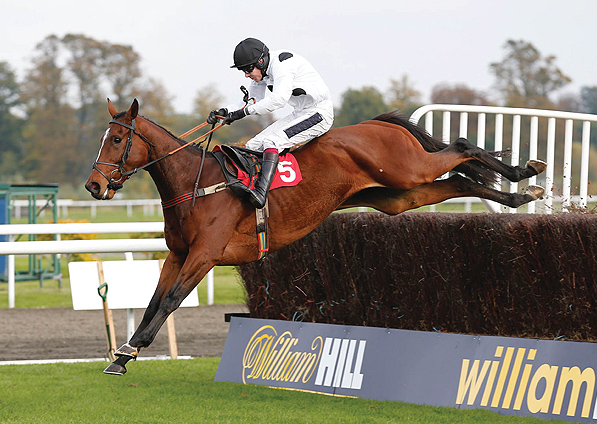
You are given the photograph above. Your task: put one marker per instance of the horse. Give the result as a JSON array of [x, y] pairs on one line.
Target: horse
[[387, 163]]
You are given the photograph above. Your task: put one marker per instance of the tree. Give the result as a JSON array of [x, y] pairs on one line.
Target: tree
[[525, 78], [457, 94], [403, 96], [65, 97], [10, 125], [122, 71], [569, 102], [207, 99], [588, 96], [48, 132], [359, 105], [45, 85], [155, 101]]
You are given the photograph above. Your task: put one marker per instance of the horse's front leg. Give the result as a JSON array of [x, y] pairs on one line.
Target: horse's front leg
[[170, 270], [190, 275]]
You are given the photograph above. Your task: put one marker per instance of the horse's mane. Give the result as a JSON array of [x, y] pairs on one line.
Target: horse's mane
[[427, 141], [180, 141], [473, 169]]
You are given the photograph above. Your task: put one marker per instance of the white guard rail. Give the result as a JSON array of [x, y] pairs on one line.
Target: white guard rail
[[547, 144], [150, 206], [12, 248]]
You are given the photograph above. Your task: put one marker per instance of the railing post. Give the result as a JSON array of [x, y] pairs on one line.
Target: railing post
[[11, 277], [481, 130], [531, 207], [515, 158], [210, 287], [130, 312], [584, 163], [567, 169], [463, 130], [549, 172]]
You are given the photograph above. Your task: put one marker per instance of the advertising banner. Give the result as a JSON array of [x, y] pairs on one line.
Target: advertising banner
[[539, 378]]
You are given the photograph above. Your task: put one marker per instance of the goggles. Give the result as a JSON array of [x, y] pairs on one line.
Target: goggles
[[247, 69]]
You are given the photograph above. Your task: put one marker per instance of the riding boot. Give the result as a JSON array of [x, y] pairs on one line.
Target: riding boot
[[268, 170]]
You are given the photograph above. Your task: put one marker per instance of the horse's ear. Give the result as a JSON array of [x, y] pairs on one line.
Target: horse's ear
[[134, 110], [111, 109]]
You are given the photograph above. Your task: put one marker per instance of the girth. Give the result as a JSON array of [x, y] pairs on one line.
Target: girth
[[249, 163]]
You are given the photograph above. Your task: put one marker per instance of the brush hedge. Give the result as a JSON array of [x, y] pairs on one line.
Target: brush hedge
[[492, 274]]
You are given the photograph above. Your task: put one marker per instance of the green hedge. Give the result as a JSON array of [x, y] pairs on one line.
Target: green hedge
[[493, 274]]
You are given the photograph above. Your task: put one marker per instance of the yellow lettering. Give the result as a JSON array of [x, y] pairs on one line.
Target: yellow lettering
[[577, 378], [494, 367], [471, 382], [310, 364], [257, 350], [313, 360], [282, 363], [300, 367], [513, 377], [502, 378], [291, 365], [522, 388], [548, 373], [268, 356], [276, 356]]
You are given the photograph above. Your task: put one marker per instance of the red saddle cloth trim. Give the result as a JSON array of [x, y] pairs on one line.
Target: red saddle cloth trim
[[288, 173]]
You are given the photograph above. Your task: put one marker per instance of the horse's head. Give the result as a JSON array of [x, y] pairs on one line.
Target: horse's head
[[122, 151]]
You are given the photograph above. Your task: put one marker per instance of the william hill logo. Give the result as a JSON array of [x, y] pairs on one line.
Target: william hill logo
[[335, 362], [512, 380]]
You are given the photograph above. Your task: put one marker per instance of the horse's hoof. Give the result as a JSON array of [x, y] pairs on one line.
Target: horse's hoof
[[538, 165], [127, 350], [115, 369], [535, 191]]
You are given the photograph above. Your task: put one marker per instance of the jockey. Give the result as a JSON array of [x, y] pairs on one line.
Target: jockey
[[279, 78]]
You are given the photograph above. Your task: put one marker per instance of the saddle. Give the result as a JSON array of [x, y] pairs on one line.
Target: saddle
[[239, 164], [242, 166]]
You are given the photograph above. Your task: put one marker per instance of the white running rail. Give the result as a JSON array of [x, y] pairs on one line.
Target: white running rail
[[12, 248], [546, 143]]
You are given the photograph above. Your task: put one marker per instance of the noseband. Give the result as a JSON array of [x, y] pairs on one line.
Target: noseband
[[119, 167]]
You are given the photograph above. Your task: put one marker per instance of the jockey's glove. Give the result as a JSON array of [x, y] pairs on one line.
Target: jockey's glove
[[213, 115], [235, 116]]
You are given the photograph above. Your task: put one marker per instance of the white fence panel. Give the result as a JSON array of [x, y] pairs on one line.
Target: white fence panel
[[562, 191]]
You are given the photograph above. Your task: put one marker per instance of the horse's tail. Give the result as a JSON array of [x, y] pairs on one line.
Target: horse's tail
[[474, 169]]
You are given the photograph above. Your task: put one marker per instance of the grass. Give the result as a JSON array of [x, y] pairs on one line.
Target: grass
[[184, 392]]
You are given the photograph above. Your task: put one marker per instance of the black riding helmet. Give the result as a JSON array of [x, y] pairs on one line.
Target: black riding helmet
[[248, 52]]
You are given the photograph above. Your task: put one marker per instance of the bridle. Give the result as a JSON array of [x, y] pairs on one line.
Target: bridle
[[114, 184], [119, 167]]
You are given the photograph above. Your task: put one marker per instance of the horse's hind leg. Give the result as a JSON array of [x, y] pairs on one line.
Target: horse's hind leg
[[512, 173], [394, 201]]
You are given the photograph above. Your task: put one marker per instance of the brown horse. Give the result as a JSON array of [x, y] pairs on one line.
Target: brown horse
[[387, 163]]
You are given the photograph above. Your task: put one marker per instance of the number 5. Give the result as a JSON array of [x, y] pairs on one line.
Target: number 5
[[286, 167]]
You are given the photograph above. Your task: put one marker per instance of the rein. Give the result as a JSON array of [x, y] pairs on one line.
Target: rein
[[124, 175]]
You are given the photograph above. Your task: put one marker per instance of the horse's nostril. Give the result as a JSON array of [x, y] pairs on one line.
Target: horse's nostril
[[93, 187]]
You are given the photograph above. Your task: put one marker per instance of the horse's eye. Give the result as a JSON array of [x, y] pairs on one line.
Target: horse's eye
[[117, 140]]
